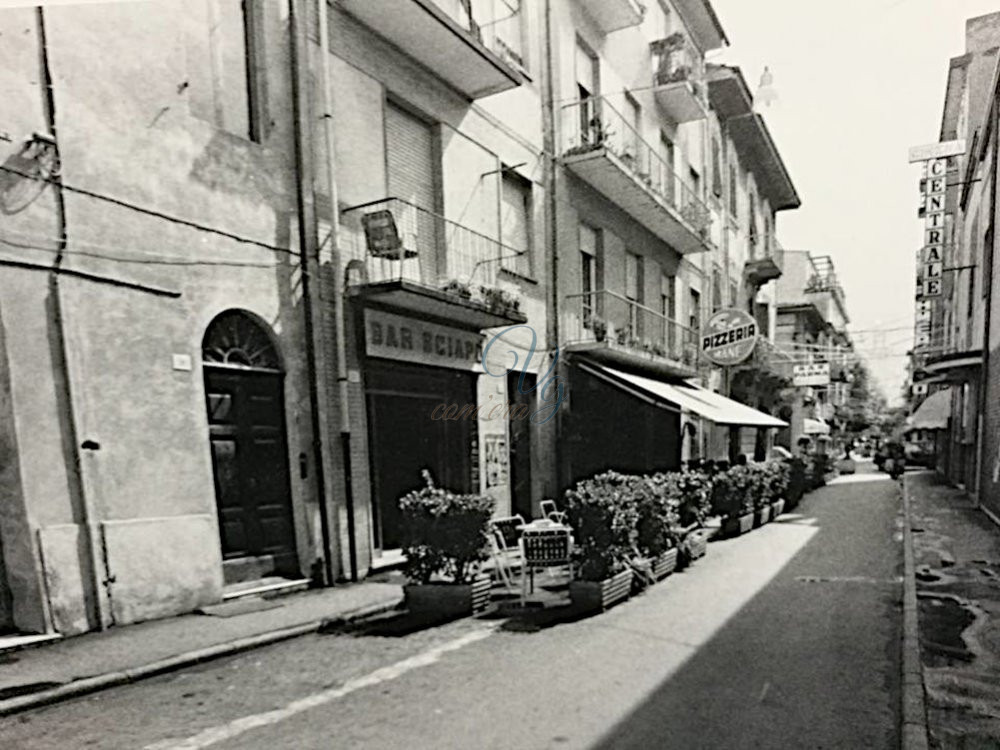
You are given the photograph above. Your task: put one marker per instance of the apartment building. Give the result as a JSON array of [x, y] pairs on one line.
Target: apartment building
[[293, 255], [952, 386], [811, 328]]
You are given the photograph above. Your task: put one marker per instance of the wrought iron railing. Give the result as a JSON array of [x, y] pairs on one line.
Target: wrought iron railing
[[396, 240], [606, 317], [594, 123], [497, 24], [675, 60]]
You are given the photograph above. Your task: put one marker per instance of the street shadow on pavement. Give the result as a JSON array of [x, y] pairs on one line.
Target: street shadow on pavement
[[393, 624], [811, 655]]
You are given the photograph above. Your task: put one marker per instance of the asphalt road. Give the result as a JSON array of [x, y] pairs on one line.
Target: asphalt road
[[785, 638]]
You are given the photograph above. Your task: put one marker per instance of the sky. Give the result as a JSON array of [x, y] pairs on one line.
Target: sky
[[859, 82]]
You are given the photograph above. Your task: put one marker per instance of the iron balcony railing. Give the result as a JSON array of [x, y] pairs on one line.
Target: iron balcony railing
[[495, 24], [675, 60], [594, 123], [608, 318], [396, 240]]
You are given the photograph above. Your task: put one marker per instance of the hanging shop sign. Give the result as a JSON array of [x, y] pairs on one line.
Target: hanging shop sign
[[811, 374], [391, 336], [729, 337]]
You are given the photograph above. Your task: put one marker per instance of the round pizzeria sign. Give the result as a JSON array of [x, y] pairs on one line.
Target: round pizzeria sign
[[729, 337]]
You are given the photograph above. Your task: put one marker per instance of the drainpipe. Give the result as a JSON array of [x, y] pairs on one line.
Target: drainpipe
[[307, 246], [549, 147], [100, 579], [340, 343]]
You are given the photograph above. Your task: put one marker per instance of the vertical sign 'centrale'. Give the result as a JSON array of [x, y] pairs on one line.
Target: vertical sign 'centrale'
[[931, 257]]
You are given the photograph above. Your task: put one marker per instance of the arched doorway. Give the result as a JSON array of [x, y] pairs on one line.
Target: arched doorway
[[244, 395]]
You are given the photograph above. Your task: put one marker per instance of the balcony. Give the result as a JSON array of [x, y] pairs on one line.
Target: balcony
[[615, 330], [401, 256], [604, 150], [761, 270], [678, 79], [477, 54], [614, 15]]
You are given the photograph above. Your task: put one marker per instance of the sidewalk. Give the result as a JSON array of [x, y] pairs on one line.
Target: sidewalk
[[957, 558], [45, 674]]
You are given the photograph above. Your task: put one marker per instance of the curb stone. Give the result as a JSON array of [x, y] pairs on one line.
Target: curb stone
[[914, 708], [85, 685]]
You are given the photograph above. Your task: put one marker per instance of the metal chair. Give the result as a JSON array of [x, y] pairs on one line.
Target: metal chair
[[550, 511], [505, 547], [544, 548]]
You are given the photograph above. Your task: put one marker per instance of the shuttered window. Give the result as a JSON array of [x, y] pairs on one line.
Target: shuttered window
[[412, 168], [515, 227]]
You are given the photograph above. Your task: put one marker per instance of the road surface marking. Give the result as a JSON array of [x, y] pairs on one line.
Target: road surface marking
[[223, 732]]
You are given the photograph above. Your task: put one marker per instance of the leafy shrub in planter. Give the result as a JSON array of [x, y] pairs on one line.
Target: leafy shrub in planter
[[776, 477], [602, 511], [656, 501], [444, 534], [695, 492]]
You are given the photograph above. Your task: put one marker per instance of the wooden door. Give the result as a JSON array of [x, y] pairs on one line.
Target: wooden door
[[250, 460]]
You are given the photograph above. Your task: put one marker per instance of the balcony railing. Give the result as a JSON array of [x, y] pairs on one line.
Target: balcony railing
[[611, 320], [395, 240], [679, 78], [594, 125]]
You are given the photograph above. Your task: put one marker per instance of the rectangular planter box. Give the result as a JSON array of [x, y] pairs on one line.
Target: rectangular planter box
[[737, 526], [599, 595], [665, 564], [697, 543], [777, 508], [762, 515], [444, 599]]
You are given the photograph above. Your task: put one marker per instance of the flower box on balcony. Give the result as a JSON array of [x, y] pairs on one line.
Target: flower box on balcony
[[600, 595]]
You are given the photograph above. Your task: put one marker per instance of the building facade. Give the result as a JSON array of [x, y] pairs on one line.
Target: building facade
[[256, 282]]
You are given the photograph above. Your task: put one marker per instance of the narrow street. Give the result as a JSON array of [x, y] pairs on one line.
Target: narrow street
[[786, 637]]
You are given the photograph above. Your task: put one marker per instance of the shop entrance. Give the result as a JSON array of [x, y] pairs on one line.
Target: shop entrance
[[244, 395], [404, 440]]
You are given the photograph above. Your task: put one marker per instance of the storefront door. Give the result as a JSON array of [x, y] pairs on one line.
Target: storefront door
[[404, 440]]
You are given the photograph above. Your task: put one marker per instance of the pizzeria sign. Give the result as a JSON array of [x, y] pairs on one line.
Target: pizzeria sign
[[729, 337]]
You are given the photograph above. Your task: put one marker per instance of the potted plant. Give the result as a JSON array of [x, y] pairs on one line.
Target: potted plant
[[731, 499], [603, 517], [694, 505], [458, 288], [499, 300], [777, 474], [600, 328], [445, 543], [760, 495], [657, 519]]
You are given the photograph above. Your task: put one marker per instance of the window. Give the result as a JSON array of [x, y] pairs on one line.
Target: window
[[716, 169], [695, 182], [752, 226], [667, 156], [767, 235], [633, 138], [588, 272], [238, 68], [587, 88], [733, 204], [667, 303], [694, 310], [515, 223], [734, 293], [716, 288], [633, 292]]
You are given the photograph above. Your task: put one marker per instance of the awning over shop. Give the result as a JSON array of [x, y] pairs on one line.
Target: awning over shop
[[815, 427], [701, 401], [933, 413]]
